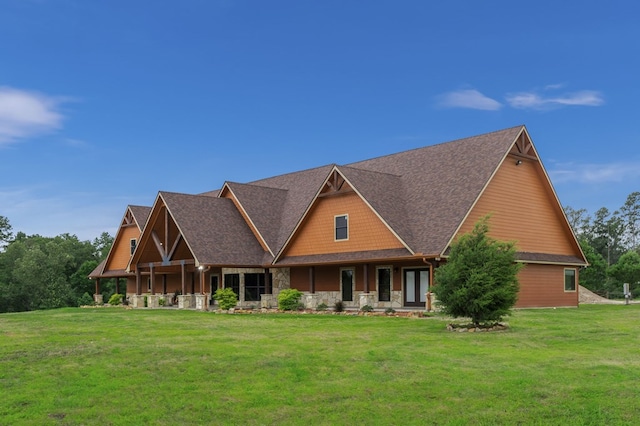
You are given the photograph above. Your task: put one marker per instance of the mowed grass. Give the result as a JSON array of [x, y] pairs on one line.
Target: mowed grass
[[116, 366]]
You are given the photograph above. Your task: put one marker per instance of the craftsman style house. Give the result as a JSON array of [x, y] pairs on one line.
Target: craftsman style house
[[367, 233]]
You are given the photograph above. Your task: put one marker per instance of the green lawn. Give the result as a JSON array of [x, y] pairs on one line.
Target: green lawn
[[117, 366]]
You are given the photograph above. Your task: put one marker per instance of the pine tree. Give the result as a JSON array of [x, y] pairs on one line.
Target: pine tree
[[479, 280]]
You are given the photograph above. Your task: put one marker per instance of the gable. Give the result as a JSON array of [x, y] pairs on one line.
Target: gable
[[316, 233], [524, 208], [162, 240], [121, 252]]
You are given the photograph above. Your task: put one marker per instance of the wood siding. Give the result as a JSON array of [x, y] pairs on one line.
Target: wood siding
[[366, 230], [543, 286], [523, 208], [121, 253]]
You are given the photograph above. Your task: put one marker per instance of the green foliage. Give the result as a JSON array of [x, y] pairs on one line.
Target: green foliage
[[367, 308], [322, 307], [390, 311], [226, 298], [595, 276], [5, 231], [116, 299], [479, 280], [627, 270], [162, 301], [339, 306], [86, 300], [289, 299]]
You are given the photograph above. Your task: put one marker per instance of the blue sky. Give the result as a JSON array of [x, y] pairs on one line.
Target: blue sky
[[103, 104]]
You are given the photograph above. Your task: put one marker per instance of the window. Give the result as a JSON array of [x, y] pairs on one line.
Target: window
[[232, 281], [133, 243], [342, 227], [254, 286], [384, 284], [569, 280], [346, 281]]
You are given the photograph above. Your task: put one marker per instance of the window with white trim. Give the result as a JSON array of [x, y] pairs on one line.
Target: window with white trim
[[341, 227], [132, 244]]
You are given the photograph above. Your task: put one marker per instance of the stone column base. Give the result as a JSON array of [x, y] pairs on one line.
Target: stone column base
[[186, 301], [311, 300], [202, 302], [97, 298], [153, 301], [367, 299], [137, 301], [268, 301]]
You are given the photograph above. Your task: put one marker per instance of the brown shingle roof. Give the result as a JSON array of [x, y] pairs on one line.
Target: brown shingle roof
[[441, 183], [140, 214], [214, 230], [264, 205], [301, 188]]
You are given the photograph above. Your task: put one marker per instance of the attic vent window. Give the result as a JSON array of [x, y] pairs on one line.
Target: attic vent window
[[342, 227], [132, 243]]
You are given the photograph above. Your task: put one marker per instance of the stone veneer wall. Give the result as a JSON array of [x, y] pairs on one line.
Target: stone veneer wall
[[330, 298]]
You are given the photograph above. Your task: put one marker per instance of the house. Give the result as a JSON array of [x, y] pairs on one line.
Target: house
[[366, 233]]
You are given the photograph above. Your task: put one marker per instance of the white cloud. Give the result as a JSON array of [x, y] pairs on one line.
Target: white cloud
[[532, 100], [469, 98], [24, 114], [595, 173]]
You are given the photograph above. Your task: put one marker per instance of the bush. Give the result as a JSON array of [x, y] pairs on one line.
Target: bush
[[480, 278], [339, 306], [322, 307], [86, 300], [116, 299], [390, 311], [161, 301], [226, 298], [367, 308], [289, 299]]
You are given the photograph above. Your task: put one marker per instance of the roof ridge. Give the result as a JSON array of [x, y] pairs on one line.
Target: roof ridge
[[436, 144], [367, 170]]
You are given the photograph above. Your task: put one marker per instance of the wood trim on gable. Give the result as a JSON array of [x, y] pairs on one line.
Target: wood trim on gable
[[336, 184]]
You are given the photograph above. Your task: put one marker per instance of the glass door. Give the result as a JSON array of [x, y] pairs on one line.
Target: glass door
[[416, 286]]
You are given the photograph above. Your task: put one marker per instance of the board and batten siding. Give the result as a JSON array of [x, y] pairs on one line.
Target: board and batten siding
[[316, 235], [523, 209]]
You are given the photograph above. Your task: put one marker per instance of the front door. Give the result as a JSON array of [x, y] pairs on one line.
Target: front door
[[416, 286]]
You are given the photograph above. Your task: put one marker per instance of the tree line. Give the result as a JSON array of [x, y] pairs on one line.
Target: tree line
[[39, 272], [611, 243]]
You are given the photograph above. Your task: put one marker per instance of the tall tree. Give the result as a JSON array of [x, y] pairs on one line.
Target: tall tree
[[630, 213], [627, 270], [479, 280], [5, 231], [606, 235], [579, 220], [595, 276]]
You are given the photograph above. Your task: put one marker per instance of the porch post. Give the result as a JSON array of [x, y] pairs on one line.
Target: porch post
[[117, 285], [201, 280], [138, 281], [312, 280], [97, 286], [366, 278], [267, 281], [164, 283], [153, 279], [183, 274], [193, 283]]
